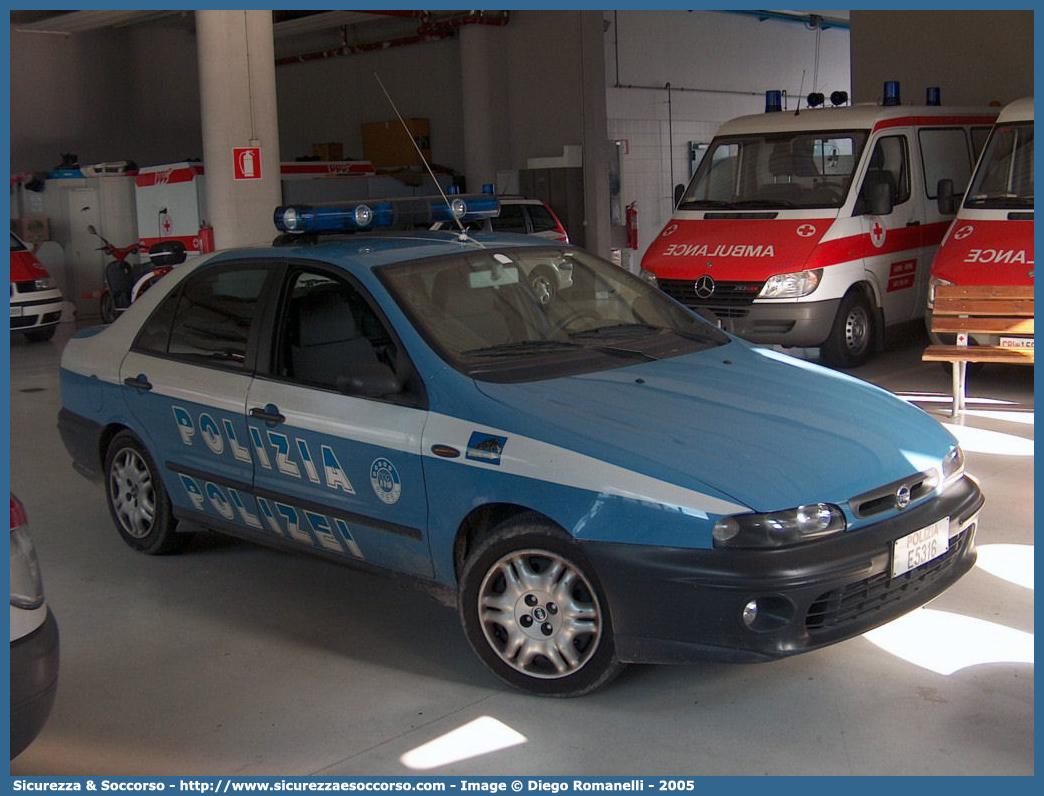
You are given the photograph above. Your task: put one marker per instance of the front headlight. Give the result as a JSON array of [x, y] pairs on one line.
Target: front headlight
[[953, 465], [779, 528], [649, 277], [795, 285], [44, 283]]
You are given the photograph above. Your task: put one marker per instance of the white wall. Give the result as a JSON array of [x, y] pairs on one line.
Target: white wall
[[719, 65]]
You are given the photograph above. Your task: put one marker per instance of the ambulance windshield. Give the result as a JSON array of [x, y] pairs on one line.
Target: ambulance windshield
[[801, 169], [1004, 178]]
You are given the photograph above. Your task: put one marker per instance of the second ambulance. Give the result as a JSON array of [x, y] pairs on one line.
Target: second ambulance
[[991, 240], [817, 228]]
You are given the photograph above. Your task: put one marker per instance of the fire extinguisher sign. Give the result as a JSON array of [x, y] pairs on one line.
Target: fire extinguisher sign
[[246, 162]]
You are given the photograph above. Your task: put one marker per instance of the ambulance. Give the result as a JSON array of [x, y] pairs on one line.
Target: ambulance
[[991, 240], [816, 228]]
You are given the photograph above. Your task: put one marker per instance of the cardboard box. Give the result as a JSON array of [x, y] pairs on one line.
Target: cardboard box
[[332, 150], [32, 229], [387, 145]]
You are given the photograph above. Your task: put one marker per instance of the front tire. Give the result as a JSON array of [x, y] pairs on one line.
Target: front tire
[[534, 612], [853, 335], [138, 502]]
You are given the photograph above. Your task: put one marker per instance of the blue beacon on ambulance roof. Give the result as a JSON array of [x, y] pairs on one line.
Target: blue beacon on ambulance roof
[[599, 479]]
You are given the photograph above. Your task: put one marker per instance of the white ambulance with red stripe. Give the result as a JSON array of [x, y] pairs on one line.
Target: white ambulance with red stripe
[[817, 228], [991, 240]]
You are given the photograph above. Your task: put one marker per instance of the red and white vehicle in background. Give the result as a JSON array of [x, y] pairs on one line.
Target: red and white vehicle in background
[[818, 228], [36, 301], [991, 240]]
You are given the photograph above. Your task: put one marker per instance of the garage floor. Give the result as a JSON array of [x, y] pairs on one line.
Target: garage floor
[[231, 659]]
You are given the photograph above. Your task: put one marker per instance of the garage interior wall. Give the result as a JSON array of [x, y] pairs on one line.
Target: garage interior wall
[[132, 93], [974, 57], [718, 65]]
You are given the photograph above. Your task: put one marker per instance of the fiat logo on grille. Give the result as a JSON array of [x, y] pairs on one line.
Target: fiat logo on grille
[[902, 497], [704, 287]]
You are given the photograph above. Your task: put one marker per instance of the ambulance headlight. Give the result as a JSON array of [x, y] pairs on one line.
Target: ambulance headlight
[[458, 207], [649, 277], [779, 528], [793, 285]]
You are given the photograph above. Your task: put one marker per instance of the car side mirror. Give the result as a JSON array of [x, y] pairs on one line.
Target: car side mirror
[[946, 197], [679, 192], [171, 252], [369, 380], [880, 199]]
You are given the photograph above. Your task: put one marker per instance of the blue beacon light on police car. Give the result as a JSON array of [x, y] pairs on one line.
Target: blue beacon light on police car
[[384, 213]]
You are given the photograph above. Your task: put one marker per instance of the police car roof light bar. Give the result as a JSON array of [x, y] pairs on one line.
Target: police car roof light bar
[[384, 213]]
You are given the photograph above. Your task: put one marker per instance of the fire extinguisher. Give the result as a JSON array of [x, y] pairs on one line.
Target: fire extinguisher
[[632, 225], [206, 238]]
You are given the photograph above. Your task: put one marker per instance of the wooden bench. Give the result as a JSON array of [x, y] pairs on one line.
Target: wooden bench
[[997, 310]]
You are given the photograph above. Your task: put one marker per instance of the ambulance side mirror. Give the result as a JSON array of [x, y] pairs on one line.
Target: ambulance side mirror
[[679, 192], [880, 199], [946, 198]]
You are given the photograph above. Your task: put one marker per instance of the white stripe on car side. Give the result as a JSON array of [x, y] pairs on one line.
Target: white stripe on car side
[[541, 461]]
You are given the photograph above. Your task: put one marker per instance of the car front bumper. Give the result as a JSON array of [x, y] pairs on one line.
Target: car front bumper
[[34, 681], [791, 323], [674, 605]]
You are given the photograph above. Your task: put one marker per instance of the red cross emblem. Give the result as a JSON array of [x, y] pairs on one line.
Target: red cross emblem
[[166, 223], [806, 230], [877, 234]]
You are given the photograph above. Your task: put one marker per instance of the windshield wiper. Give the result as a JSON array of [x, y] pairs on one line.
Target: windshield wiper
[[521, 347], [616, 330]]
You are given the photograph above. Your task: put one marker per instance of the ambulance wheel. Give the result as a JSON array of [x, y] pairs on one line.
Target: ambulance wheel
[[534, 612], [851, 340], [138, 502]]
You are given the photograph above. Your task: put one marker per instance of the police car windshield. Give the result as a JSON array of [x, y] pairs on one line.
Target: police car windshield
[[801, 169], [522, 314], [1004, 178]]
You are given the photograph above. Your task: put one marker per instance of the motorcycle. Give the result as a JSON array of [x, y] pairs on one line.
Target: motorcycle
[[125, 281]]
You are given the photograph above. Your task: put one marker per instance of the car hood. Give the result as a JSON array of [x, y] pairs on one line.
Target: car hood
[[760, 428]]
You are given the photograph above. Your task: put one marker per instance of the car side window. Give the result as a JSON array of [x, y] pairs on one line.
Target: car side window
[[328, 332], [209, 317], [511, 219]]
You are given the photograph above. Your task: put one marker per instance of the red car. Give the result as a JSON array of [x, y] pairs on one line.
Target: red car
[[36, 301]]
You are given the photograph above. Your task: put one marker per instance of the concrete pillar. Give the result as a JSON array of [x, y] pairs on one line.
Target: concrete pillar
[[485, 118], [238, 109], [597, 235]]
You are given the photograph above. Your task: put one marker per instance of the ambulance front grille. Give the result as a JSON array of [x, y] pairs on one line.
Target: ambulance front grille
[[729, 299]]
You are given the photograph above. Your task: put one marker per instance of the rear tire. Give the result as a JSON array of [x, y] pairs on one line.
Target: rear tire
[[853, 335], [534, 611], [137, 499]]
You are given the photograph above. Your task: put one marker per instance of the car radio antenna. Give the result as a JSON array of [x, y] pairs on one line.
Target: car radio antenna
[[420, 154]]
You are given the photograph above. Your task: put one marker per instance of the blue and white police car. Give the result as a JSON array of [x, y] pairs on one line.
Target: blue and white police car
[[602, 479]]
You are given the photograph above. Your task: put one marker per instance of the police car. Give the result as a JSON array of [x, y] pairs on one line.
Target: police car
[[603, 479]]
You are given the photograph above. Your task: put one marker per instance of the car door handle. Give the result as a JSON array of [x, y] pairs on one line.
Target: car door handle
[[138, 382], [913, 223], [270, 414]]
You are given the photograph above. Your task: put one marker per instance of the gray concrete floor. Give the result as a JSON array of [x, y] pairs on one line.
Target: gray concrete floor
[[232, 659]]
